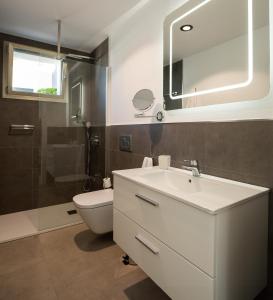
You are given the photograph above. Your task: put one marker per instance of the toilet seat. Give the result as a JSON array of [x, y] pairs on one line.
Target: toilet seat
[[94, 199]]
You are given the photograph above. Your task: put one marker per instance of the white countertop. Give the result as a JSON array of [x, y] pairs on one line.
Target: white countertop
[[208, 193]]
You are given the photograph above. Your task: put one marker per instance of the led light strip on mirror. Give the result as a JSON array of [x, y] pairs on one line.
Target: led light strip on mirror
[[223, 88]]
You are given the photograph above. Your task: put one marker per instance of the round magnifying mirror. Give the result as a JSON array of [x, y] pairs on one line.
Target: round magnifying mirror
[[143, 100]]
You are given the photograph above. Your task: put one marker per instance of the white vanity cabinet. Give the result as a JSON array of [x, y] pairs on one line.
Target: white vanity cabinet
[[192, 253]]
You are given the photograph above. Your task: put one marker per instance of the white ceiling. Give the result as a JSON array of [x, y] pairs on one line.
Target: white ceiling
[[82, 20]]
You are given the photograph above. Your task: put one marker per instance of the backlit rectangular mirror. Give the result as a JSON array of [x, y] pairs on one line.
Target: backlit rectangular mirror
[[216, 51]]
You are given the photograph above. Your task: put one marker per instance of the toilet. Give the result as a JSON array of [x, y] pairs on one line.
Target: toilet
[[96, 209]]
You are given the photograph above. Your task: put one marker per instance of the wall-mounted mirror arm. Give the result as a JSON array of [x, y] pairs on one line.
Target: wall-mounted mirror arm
[[159, 116]]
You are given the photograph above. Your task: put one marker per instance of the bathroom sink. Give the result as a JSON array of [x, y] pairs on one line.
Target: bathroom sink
[[172, 179], [206, 192]]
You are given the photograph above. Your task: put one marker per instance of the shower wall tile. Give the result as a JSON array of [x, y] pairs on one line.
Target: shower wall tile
[[36, 158], [53, 195], [15, 199], [37, 136], [13, 112], [16, 178], [13, 141], [16, 191], [14, 159], [98, 96], [66, 135]]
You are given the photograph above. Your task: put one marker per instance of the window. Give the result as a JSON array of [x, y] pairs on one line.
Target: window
[[33, 73]]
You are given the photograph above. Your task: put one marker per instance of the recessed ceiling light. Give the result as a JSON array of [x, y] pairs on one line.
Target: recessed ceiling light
[[186, 27]]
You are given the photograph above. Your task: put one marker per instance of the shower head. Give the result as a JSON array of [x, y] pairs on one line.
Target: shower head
[[69, 55], [77, 56]]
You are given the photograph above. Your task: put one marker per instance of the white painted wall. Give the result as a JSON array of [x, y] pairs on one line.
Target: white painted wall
[[136, 60]]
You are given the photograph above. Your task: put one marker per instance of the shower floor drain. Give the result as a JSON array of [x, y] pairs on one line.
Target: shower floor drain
[[72, 212]]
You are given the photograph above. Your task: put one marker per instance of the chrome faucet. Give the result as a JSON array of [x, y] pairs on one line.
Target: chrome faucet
[[192, 165]]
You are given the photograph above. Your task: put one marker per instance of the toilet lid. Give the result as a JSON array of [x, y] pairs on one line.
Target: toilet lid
[[94, 199]]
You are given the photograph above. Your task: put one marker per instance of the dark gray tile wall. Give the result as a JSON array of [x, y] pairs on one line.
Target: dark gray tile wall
[[236, 150], [16, 158], [241, 151]]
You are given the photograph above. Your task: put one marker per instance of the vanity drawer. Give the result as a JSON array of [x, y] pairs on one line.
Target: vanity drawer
[[175, 275], [187, 230]]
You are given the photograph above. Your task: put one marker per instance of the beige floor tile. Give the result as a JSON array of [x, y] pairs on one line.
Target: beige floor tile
[[65, 260], [71, 264], [75, 294], [61, 241], [45, 294], [64, 270], [17, 254], [85, 286], [33, 279]]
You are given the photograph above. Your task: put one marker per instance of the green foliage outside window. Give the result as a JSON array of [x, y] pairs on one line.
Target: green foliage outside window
[[48, 91]]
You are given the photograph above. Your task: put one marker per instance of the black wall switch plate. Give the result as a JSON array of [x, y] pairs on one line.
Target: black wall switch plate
[[125, 143]]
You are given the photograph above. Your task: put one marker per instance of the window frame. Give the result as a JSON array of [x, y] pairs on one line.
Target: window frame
[[8, 72]]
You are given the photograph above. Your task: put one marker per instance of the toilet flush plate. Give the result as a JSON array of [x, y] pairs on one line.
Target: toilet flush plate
[[125, 143]]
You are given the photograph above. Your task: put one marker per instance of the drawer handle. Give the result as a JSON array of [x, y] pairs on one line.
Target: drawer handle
[[143, 198], [147, 244]]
